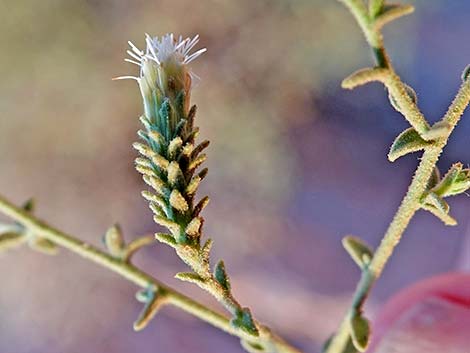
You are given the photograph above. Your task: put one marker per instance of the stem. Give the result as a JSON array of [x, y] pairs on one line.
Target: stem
[[142, 279], [407, 209], [411, 202]]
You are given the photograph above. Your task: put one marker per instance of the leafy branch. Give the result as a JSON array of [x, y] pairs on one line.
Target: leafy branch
[[427, 189], [28, 229]]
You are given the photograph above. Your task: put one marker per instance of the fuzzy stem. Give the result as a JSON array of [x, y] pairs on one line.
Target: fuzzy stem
[[394, 84], [411, 202], [141, 279]]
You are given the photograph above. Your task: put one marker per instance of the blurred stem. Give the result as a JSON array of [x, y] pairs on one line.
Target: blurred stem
[[133, 274], [411, 202]]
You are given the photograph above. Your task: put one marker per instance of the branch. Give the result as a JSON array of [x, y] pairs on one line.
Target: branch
[[267, 341], [354, 328]]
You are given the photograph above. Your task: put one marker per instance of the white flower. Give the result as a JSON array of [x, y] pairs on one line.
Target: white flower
[[166, 51]]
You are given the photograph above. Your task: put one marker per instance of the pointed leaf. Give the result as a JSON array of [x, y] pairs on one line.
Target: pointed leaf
[[43, 245], [206, 249], [411, 94], [407, 142], [376, 7], [359, 251], [166, 239], [191, 277], [444, 217], [29, 206], [434, 178], [437, 202], [243, 320], [390, 13], [456, 181], [221, 275], [155, 301], [363, 76], [11, 240], [360, 332]]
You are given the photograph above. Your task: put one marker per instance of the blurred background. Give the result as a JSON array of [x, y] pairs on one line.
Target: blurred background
[[295, 163]]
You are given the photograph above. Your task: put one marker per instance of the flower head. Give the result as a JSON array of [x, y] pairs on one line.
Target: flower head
[[163, 64], [164, 77]]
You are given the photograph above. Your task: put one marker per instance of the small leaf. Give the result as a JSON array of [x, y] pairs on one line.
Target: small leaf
[[466, 73], [434, 178], [29, 206], [201, 205], [199, 148], [178, 202], [114, 240], [390, 13], [173, 227], [438, 212], [360, 332], [221, 275], [358, 250], [411, 94], [407, 142], [192, 278], [167, 239], [243, 320], [437, 202], [375, 7], [144, 295], [11, 240], [438, 130], [43, 245], [174, 147], [456, 181], [193, 229], [155, 301], [175, 175], [363, 76], [206, 249]]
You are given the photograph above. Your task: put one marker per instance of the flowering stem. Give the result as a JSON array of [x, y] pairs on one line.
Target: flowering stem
[[418, 187], [140, 278]]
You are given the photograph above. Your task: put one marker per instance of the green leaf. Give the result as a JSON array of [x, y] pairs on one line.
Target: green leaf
[[438, 130], [437, 202], [43, 245], [11, 240], [167, 239], [191, 277], [376, 7], [359, 251], [360, 332], [456, 181], [408, 141], [363, 76], [221, 275], [243, 320], [390, 13], [206, 249], [409, 91], [438, 207], [29, 206], [114, 240], [152, 306], [434, 178]]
